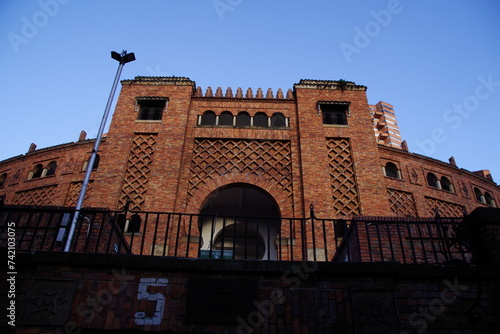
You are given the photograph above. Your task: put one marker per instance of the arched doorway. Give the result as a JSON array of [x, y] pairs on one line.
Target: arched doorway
[[240, 221]]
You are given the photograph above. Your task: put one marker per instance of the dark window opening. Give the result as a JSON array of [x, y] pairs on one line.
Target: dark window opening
[[334, 113], [51, 168], [132, 225], [446, 184], [432, 180], [489, 199], [243, 119], [151, 110], [3, 177], [391, 170], [260, 120], [479, 195], [278, 120], [37, 171], [208, 118], [226, 118]]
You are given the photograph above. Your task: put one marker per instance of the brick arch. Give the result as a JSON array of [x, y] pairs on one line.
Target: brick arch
[[282, 200]]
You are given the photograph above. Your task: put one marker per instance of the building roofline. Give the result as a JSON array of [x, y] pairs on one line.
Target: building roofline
[[442, 163]]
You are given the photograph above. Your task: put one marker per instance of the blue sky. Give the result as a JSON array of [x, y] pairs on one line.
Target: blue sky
[[437, 62]]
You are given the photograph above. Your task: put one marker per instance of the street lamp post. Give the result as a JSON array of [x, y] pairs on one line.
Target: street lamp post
[[122, 58]]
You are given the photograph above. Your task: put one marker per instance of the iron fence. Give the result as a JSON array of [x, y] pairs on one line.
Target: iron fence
[[360, 239]]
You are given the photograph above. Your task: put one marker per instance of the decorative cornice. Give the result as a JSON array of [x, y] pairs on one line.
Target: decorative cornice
[[173, 81], [329, 84]]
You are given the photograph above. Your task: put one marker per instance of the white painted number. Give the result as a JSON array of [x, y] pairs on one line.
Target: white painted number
[[143, 294]]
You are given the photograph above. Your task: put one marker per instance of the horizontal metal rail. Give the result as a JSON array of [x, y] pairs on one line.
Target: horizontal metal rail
[[360, 239]]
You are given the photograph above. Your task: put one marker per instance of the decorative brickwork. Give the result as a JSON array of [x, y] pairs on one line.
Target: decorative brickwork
[[402, 203], [74, 192], [270, 159], [138, 168], [445, 209], [37, 196], [345, 195]]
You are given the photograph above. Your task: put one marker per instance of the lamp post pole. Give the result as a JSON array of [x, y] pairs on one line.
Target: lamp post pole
[[123, 58]]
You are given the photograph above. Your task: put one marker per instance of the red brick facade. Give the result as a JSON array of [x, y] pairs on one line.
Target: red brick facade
[[174, 163]]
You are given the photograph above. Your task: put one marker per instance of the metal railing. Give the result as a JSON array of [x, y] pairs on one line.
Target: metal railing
[[361, 239]]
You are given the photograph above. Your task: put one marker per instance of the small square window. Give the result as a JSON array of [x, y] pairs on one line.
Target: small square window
[[334, 113], [151, 109]]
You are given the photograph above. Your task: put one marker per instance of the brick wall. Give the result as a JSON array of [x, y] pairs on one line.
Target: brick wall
[[120, 292]]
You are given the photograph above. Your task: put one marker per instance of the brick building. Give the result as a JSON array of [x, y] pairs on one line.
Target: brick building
[[171, 147], [349, 225]]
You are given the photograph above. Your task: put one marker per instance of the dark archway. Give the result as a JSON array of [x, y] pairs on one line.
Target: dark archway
[[240, 221]]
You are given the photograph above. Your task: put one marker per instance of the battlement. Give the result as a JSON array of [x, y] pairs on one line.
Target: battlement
[[248, 95]]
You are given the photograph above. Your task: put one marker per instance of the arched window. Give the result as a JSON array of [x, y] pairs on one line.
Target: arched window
[[3, 177], [96, 163], [479, 195], [446, 184], [36, 172], [243, 119], [278, 120], [432, 180], [489, 199], [391, 170], [260, 120], [241, 240], [208, 118], [226, 118], [51, 168]]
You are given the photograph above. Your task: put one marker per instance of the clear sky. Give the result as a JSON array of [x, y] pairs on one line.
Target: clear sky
[[437, 62]]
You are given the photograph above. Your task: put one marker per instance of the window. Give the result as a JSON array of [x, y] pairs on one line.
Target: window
[[334, 113], [36, 172], [432, 180], [96, 163], [3, 177], [151, 109], [132, 225], [243, 119], [260, 120], [391, 170], [226, 118], [489, 199], [446, 184], [479, 195], [51, 169], [278, 120], [208, 118]]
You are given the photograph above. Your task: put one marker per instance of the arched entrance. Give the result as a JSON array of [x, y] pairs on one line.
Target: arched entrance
[[240, 221]]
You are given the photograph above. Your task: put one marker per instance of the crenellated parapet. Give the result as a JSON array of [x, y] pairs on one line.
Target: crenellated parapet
[[248, 94]]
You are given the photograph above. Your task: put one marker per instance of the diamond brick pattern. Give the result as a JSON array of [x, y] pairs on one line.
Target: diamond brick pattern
[[345, 194], [445, 209], [136, 178], [270, 159], [38, 196], [74, 192], [402, 203]]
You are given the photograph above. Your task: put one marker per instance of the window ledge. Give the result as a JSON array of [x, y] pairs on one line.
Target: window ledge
[[336, 125], [147, 121], [394, 178]]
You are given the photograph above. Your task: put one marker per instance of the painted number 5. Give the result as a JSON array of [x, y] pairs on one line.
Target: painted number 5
[[143, 294]]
